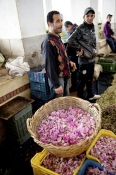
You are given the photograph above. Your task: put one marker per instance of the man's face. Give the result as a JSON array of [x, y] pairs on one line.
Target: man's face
[[56, 25], [89, 18], [69, 28], [109, 18]]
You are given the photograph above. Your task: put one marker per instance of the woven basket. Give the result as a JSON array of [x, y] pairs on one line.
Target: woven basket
[[64, 103]]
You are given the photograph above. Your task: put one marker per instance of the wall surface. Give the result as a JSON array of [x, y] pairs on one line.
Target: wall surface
[[108, 7], [78, 8], [47, 8], [64, 7], [9, 23], [10, 34], [31, 19], [22, 30]]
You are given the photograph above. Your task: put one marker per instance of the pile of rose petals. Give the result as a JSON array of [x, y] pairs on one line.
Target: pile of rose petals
[[95, 171], [63, 166], [66, 127], [105, 151]]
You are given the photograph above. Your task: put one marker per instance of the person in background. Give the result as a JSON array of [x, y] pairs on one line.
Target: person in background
[[72, 54], [83, 40], [109, 34], [70, 27], [57, 63]]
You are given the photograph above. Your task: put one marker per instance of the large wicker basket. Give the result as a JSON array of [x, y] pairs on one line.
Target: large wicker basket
[[64, 103]]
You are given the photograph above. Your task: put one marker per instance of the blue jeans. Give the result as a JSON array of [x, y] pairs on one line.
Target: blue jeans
[[112, 43], [64, 83]]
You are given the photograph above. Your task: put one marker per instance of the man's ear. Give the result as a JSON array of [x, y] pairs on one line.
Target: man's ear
[[49, 24]]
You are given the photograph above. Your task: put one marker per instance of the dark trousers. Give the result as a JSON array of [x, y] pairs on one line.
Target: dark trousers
[[74, 76], [74, 80], [86, 72], [112, 43]]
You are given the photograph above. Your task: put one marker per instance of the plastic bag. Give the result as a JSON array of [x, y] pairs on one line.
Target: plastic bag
[[17, 67]]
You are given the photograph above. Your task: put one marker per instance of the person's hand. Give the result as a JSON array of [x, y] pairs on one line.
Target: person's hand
[[73, 66], [80, 53], [113, 36], [59, 90]]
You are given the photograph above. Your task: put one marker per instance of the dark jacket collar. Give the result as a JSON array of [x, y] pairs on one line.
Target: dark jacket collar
[[88, 25]]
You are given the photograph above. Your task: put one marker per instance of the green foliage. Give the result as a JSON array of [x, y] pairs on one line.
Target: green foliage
[[47, 31]]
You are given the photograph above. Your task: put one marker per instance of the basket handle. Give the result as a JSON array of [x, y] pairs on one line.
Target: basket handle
[[29, 120], [97, 106]]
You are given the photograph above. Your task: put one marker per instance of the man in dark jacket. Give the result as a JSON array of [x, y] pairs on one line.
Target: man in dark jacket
[[57, 63], [84, 41], [72, 54], [109, 34]]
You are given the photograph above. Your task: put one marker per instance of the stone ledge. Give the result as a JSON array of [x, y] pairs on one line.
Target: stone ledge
[[14, 93], [10, 88], [8, 85]]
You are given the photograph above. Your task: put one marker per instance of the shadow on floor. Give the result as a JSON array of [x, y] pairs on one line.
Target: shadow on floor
[[15, 159]]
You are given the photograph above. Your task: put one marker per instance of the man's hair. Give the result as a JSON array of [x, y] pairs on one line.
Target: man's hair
[[68, 23], [50, 15], [109, 15]]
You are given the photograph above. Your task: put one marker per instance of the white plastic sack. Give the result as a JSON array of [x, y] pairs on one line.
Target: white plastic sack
[[97, 70], [17, 67]]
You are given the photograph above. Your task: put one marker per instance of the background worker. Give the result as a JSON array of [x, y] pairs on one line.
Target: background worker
[[72, 54], [109, 34]]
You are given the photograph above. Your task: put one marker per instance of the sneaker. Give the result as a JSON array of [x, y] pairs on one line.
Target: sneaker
[[95, 97]]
